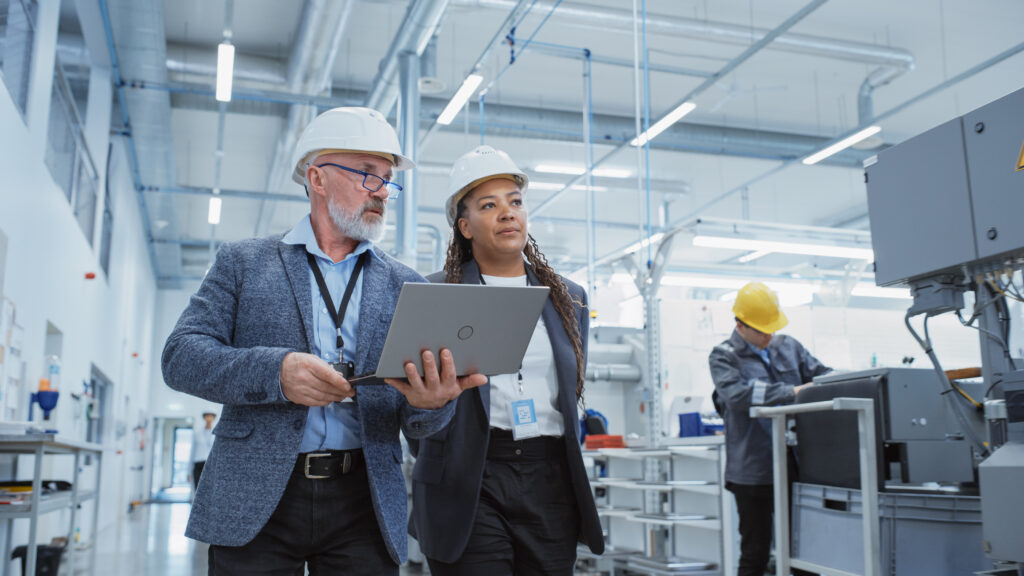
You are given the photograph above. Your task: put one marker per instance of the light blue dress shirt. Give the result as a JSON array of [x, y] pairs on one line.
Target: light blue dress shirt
[[336, 426], [764, 354]]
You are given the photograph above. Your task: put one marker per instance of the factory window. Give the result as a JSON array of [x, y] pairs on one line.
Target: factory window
[[67, 156], [17, 31], [73, 56], [97, 408]]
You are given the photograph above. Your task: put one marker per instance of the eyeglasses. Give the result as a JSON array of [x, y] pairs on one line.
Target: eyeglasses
[[371, 182]]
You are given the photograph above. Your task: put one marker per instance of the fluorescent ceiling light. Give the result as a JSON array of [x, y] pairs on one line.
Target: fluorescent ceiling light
[[748, 244], [872, 291], [576, 170], [842, 145], [663, 124], [754, 256], [560, 169], [469, 85], [703, 282], [789, 293], [225, 69], [213, 216], [612, 172], [637, 246], [556, 186]]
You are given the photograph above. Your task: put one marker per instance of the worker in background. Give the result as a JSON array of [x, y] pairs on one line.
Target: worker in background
[[756, 367], [202, 443], [503, 489], [305, 470]]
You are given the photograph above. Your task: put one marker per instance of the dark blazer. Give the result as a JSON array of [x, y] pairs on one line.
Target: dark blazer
[[252, 309], [450, 464]]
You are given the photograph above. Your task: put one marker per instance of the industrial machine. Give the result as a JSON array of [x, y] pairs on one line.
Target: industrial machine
[[945, 209], [918, 438]]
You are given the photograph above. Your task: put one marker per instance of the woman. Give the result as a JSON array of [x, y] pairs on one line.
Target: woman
[[491, 496]]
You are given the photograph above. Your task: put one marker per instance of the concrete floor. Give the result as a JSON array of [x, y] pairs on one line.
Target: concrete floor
[[152, 543]]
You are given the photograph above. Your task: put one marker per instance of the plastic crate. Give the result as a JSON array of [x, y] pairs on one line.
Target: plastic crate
[[47, 558], [921, 534]]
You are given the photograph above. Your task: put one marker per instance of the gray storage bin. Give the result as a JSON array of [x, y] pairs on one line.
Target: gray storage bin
[[921, 534]]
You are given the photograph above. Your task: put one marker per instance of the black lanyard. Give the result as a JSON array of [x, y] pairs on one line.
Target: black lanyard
[[338, 316]]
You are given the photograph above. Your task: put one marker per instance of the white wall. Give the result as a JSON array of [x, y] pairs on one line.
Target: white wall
[[106, 322], [165, 402]]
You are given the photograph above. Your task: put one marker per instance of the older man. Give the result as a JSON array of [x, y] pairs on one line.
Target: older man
[[305, 469], [756, 367]]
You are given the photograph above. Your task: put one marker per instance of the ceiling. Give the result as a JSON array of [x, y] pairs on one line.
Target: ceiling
[[772, 109]]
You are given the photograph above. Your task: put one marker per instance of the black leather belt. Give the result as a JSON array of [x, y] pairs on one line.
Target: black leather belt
[[327, 464]]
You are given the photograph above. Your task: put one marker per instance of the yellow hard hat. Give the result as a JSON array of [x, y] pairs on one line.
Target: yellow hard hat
[[757, 306]]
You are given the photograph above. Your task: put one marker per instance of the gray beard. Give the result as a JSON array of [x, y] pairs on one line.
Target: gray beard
[[353, 225]]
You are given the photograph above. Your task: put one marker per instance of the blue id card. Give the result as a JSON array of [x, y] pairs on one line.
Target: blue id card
[[524, 419]]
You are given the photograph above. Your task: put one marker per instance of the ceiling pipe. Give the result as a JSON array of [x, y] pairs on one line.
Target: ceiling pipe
[[507, 120], [865, 96], [301, 199], [310, 65], [421, 21], [135, 35]]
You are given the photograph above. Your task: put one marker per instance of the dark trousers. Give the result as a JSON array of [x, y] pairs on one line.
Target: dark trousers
[[197, 471], [328, 524], [527, 521], [754, 504]]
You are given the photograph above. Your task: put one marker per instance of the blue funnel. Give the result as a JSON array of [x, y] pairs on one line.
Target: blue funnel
[[47, 400]]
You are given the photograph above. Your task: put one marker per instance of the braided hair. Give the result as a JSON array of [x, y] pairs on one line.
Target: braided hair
[[460, 251]]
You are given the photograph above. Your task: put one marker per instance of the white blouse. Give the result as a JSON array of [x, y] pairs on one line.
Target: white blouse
[[540, 381]]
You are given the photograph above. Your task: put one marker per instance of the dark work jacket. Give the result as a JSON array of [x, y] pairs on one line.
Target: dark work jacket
[[742, 379], [450, 464]]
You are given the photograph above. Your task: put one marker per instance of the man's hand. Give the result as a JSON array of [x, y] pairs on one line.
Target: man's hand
[[797, 389], [437, 387], [308, 380]]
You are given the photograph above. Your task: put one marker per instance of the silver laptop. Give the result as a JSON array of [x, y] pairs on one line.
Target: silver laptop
[[487, 328]]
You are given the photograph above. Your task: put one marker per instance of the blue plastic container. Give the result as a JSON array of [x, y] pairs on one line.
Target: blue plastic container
[[690, 425]]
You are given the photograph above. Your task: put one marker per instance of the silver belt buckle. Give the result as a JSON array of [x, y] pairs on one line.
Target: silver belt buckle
[[310, 457]]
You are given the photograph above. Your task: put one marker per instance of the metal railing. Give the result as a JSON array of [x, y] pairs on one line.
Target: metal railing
[[865, 409]]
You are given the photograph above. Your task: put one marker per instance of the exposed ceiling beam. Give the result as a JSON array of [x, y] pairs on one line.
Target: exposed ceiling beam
[[731, 65], [613, 20]]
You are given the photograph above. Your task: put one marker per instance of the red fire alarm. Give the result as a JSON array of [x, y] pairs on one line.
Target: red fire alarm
[[90, 275], [135, 354]]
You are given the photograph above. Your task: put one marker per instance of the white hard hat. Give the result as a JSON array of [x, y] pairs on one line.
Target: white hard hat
[[475, 167], [349, 129]]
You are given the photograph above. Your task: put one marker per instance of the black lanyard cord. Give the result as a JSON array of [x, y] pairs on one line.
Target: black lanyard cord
[[339, 315]]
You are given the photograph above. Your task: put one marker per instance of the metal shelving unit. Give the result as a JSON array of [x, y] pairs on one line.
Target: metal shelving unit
[[40, 445], [696, 515]]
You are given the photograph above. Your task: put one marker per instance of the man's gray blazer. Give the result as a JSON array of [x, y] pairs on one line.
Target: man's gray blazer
[[252, 309]]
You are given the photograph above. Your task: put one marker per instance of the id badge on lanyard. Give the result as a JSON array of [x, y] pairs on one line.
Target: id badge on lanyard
[[523, 414]]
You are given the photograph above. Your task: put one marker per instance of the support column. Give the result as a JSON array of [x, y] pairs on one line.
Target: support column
[[405, 207]]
